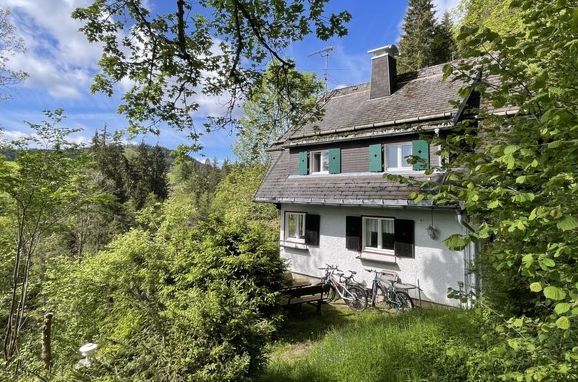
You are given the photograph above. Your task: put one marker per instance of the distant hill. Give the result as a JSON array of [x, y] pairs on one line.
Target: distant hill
[[10, 154]]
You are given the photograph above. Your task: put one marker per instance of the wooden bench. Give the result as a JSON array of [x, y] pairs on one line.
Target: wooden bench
[[312, 294]]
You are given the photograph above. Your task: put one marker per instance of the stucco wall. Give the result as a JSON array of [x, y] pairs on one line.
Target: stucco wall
[[435, 266]]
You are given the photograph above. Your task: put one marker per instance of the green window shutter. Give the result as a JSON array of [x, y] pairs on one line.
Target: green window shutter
[[334, 161], [303, 163], [420, 148], [375, 158]]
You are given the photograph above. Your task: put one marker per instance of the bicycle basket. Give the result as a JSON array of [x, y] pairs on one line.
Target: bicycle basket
[[387, 277]]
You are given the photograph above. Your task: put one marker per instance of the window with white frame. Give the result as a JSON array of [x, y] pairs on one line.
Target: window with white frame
[[295, 226], [319, 162], [379, 234], [396, 156]]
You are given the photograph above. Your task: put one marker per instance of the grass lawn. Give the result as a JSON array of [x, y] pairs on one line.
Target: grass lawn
[[340, 345]]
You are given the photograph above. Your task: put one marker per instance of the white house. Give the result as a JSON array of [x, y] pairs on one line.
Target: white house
[[337, 207]]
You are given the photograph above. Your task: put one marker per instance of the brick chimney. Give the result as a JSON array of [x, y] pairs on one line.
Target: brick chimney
[[383, 71]]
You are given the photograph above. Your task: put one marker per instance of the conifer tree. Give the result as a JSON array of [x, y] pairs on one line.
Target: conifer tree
[[444, 47], [417, 42]]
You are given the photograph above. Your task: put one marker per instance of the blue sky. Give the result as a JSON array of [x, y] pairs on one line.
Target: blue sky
[[61, 64]]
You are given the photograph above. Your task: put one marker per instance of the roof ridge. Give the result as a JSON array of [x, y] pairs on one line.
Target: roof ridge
[[347, 90]]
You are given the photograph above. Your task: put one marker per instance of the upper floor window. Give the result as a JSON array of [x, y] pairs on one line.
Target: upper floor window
[[319, 162], [396, 156]]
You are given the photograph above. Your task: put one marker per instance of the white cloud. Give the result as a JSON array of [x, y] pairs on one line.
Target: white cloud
[[12, 135], [59, 59], [443, 6]]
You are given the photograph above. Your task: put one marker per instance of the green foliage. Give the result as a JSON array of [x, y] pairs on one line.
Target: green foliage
[[208, 47], [444, 44], [198, 310], [270, 112], [10, 44], [233, 200], [147, 174], [197, 182], [130, 175], [516, 178], [188, 296], [38, 190], [496, 15]]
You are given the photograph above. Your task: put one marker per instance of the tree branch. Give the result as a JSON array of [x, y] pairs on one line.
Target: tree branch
[[257, 32]]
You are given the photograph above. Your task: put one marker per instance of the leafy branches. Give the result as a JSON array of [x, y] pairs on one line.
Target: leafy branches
[[40, 186], [513, 168], [270, 112], [9, 45], [207, 49]]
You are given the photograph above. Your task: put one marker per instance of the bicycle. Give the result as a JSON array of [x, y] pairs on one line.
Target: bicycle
[[385, 296], [354, 296]]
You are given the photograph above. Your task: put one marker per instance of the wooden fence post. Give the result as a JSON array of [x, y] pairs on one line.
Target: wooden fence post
[[46, 340]]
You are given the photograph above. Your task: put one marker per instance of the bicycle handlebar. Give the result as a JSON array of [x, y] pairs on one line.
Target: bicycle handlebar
[[385, 273]]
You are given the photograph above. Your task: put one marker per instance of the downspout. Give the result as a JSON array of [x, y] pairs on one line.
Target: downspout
[[463, 221]]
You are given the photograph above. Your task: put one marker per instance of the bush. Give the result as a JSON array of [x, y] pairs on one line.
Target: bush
[[200, 310]]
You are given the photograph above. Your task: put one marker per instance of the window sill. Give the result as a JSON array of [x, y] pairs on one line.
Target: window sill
[[378, 257], [293, 244], [403, 171]]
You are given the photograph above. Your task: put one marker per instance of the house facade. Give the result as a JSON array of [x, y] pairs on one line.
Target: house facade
[[336, 205]]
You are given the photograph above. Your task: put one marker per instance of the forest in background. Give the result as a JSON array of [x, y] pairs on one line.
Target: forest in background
[[152, 257]]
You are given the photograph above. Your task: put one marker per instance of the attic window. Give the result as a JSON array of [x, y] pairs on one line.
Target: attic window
[[319, 162], [397, 155]]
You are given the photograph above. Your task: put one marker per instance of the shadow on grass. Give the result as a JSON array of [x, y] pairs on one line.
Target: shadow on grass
[[304, 323], [340, 345]]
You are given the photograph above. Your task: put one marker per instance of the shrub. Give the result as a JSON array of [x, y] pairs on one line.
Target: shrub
[[201, 310]]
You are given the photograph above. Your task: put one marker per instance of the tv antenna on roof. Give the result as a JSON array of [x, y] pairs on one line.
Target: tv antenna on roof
[[325, 52]]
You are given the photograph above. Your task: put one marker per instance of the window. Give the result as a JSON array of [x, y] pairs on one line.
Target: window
[[379, 234], [319, 162], [295, 226], [397, 155]]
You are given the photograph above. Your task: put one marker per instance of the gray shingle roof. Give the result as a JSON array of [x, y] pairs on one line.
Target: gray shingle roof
[[420, 94], [349, 114], [343, 189]]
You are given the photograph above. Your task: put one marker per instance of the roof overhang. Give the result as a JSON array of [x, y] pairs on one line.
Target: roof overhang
[[395, 203], [398, 122], [443, 125]]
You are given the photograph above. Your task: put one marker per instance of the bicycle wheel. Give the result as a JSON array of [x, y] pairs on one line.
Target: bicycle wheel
[[358, 302], [329, 293], [382, 300], [405, 302]]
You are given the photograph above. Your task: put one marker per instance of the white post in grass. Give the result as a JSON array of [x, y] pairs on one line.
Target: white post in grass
[[86, 351]]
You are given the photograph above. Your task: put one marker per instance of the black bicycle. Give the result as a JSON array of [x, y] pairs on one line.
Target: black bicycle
[[384, 294]]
